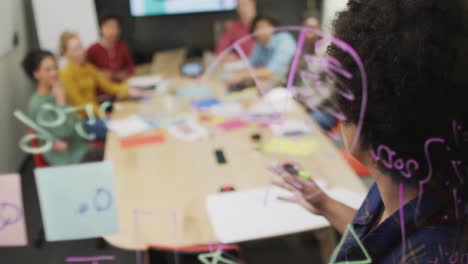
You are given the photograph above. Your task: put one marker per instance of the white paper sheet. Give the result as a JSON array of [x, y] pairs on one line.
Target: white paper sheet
[[131, 125], [257, 213], [278, 100], [145, 82], [228, 110], [290, 128]]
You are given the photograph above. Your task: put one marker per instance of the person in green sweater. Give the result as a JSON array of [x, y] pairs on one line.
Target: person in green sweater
[[44, 107]]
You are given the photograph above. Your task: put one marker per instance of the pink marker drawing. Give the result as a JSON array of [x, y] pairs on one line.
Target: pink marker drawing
[[92, 260]]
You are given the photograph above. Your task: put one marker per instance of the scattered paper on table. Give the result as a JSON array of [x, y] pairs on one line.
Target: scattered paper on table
[[234, 66], [215, 120], [145, 82], [232, 124], [188, 130], [193, 91], [228, 110], [143, 140], [257, 213], [278, 100], [247, 94], [290, 128], [77, 202], [296, 147], [12, 222], [131, 125], [205, 103], [269, 109]]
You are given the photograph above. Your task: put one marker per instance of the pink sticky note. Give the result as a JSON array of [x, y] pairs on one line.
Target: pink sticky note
[[232, 124], [12, 224]]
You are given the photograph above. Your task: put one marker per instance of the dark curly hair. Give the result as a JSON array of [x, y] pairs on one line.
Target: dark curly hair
[[32, 61], [267, 17], [411, 51]]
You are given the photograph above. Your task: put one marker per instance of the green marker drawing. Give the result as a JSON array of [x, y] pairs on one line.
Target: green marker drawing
[[42, 135], [25, 144], [41, 120], [216, 257], [350, 229], [102, 109]]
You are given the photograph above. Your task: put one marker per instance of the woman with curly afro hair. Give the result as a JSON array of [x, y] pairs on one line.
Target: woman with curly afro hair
[[412, 139]]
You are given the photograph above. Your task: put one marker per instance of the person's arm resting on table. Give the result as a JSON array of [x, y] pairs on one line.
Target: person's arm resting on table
[[119, 90]]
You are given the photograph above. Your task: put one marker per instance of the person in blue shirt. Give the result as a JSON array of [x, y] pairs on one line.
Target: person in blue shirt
[[271, 57], [412, 134]]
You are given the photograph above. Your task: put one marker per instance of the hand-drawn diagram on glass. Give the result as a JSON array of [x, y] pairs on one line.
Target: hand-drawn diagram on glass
[[350, 230], [12, 223], [41, 138], [81, 196], [92, 260], [309, 74]]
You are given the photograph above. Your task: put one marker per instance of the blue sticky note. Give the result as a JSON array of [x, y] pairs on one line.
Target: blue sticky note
[[77, 202], [205, 103], [193, 91]]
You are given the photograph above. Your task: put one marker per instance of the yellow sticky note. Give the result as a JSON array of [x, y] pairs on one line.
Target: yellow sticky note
[[248, 94], [216, 120], [299, 147]]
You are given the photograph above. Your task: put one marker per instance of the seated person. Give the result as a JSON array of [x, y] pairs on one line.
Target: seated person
[[81, 81], [239, 29], [415, 211], [271, 56], [69, 147], [111, 55], [320, 99]]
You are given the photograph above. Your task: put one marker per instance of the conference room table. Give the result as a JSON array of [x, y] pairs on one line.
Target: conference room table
[[161, 188]]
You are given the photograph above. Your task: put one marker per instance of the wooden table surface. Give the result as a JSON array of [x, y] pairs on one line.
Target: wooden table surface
[[167, 183]]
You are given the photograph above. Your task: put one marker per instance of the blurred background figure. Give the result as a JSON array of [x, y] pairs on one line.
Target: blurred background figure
[[247, 10], [311, 19], [318, 96], [68, 147], [271, 56], [82, 80], [110, 54]]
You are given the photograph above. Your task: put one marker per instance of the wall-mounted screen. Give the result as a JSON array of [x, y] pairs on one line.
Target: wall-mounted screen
[[141, 8]]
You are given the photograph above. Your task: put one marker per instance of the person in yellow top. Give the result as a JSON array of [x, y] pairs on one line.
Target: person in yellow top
[[82, 81]]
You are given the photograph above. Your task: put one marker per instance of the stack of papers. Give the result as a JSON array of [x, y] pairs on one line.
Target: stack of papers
[[257, 213], [290, 128], [278, 100], [227, 110], [145, 82], [131, 125]]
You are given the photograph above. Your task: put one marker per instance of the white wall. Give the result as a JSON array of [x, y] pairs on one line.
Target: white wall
[[7, 25], [15, 90], [330, 8], [55, 16]]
